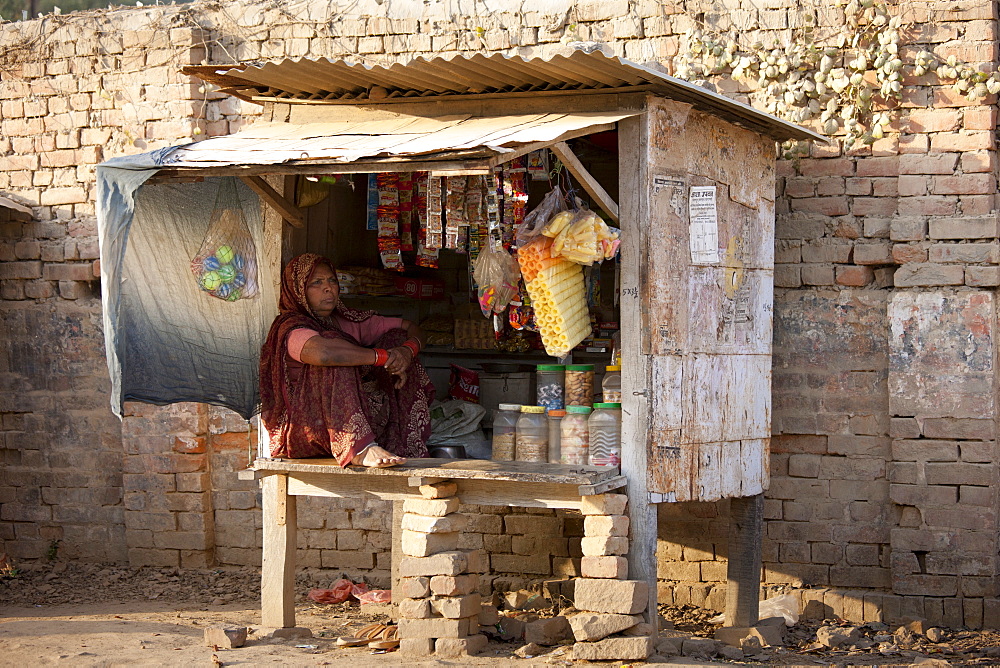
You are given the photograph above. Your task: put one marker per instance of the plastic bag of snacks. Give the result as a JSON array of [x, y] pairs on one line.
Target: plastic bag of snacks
[[496, 274], [581, 237], [539, 217], [226, 264], [464, 384]]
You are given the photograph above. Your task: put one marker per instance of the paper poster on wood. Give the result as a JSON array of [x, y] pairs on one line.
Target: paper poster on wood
[[704, 221]]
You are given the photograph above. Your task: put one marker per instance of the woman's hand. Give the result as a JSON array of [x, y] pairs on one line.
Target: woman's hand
[[400, 379], [400, 358]]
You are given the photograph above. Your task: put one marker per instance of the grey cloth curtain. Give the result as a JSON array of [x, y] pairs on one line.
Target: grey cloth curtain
[[167, 340]]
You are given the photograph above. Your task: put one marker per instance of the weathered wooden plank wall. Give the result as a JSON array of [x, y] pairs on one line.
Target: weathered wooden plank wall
[[707, 327]]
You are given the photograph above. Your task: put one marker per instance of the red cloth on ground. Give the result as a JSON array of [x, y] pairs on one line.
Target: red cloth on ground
[[336, 411]]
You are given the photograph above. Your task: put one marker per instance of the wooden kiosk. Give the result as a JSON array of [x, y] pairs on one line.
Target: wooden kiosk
[[696, 208]]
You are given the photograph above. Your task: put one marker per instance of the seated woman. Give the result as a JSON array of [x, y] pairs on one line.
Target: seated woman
[[341, 383]]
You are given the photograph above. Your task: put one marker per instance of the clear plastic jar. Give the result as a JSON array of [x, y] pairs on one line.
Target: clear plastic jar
[[605, 427], [550, 379], [580, 385], [574, 436], [505, 432], [611, 386], [532, 435], [555, 425]]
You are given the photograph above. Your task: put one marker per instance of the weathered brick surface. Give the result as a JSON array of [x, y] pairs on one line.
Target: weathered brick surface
[[875, 384]]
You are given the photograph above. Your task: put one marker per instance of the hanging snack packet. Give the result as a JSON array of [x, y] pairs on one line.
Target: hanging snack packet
[[226, 264]]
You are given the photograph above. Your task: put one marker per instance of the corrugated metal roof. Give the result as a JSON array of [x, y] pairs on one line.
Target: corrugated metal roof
[[342, 82], [463, 136]]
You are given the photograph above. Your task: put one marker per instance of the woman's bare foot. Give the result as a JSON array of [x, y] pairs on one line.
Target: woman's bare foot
[[376, 457]]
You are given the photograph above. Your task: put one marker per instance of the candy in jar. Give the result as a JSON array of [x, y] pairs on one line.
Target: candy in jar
[[574, 436], [549, 380]]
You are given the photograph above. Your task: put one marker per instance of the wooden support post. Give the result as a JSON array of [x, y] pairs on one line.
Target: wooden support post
[[397, 546], [746, 522], [589, 183], [288, 211], [636, 366], [277, 573]]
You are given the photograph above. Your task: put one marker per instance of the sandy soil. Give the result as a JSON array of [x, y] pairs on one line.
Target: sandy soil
[[89, 615]]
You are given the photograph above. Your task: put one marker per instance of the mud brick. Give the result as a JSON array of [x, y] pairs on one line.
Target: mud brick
[[431, 507], [438, 490], [568, 567], [626, 597], [604, 504], [614, 649], [225, 638], [532, 524], [924, 450], [443, 563], [415, 587], [602, 546], [984, 227], [604, 567], [476, 561], [920, 274], [548, 632], [591, 626], [437, 627], [605, 525], [457, 607], [454, 585], [489, 616], [428, 524], [453, 648], [416, 646], [415, 608], [416, 544]]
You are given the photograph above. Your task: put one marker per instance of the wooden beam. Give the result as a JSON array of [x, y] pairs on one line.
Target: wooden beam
[[320, 168], [289, 211], [277, 572], [602, 487], [561, 139], [589, 183], [746, 527], [633, 139]]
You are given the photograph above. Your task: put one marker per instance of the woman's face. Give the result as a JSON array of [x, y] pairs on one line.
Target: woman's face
[[322, 291]]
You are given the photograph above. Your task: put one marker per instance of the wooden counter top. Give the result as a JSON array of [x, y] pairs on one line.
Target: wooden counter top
[[457, 469]]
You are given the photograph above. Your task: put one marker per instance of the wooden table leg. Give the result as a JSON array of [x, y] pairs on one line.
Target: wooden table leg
[[277, 575], [397, 547]]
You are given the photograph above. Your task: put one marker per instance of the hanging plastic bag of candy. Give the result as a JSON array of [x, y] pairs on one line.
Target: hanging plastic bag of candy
[[496, 273], [226, 264]]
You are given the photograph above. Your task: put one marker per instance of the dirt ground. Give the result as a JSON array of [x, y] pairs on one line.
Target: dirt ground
[[87, 615]]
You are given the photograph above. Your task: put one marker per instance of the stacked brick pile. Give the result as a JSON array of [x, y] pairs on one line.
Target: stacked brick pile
[[609, 603], [440, 612]]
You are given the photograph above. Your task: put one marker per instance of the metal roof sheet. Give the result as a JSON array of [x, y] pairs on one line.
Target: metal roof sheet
[[341, 81], [342, 141]]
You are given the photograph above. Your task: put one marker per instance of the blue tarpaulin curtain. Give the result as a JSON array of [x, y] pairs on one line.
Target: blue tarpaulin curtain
[[166, 339]]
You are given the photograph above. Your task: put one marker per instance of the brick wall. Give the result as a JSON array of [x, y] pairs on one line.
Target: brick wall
[[886, 263]]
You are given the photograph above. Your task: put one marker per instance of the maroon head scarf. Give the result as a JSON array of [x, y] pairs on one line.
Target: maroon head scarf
[[335, 411]]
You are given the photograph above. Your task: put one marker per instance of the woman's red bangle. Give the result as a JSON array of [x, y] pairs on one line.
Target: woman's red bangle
[[381, 356], [413, 346]]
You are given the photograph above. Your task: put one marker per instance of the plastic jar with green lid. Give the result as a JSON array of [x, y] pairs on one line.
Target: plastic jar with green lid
[[532, 435], [550, 379], [605, 426], [580, 385], [505, 432], [574, 436]]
